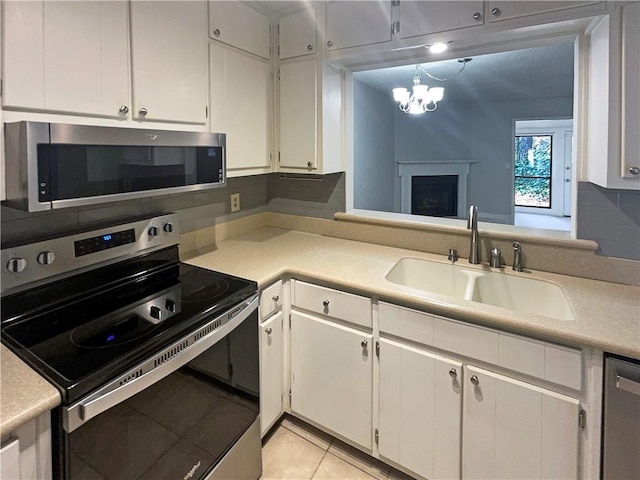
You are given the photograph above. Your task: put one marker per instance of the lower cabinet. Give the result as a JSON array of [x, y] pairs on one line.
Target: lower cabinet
[[512, 429], [271, 375], [420, 410], [332, 376], [26, 454]]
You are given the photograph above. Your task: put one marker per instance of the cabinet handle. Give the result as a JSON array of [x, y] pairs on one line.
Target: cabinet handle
[[142, 111], [216, 32], [634, 170], [275, 298], [364, 344], [453, 373], [329, 43], [309, 48], [124, 109], [268, 331], [477, 16], [475, 380], [496, 12], [310, 164], [325, 304]]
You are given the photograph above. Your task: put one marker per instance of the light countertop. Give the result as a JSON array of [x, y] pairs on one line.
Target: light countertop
[[607, 314]]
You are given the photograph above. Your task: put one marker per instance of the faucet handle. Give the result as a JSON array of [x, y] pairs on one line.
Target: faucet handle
[[453, 255], [495, 258], [517, 256]]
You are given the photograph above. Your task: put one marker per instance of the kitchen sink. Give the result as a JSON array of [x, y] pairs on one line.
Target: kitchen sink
[[497, 288]]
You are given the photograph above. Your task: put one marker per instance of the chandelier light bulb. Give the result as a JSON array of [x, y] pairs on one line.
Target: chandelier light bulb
[[437, 93]]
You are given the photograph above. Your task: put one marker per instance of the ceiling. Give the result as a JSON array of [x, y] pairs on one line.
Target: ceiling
[[541, 72]]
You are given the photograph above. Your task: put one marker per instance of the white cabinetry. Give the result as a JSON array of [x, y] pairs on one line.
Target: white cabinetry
[[271, 356], [351, 24], [169, 60], [630, 143], [331, 376], [501, 10], [422, 18], [236, 24], [420, 410], [241, 107], [310, 100], [26, 455], [297, 34], [69, 57], [516, 430]]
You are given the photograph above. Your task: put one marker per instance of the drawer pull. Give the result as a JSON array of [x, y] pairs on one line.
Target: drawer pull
[[453, 373], [474, 380], [268, 331], [364, 344], [325, 304], [275, 298]]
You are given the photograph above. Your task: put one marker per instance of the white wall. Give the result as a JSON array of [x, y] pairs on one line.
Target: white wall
[[374, 163]]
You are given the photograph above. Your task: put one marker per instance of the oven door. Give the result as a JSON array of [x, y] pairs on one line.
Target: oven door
[[189, 412]]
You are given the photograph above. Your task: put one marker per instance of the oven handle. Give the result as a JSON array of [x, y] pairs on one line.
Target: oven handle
[[112, 394], [628, 385]]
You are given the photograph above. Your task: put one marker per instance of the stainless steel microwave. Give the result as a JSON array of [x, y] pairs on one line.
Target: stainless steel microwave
[[53, 165]]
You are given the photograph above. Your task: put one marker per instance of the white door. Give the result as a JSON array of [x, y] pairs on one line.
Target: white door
[[236, 24], [69, 57], [297, 34], [169, 60], [298, 114], [240, 108], [422, 18], [331, 376], [420, 410], [350, 24], [512, 429], [271, 369]]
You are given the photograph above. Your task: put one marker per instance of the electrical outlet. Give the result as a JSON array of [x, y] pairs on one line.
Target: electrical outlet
[[235, 202]]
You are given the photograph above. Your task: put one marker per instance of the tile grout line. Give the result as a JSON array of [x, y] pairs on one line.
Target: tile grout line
[[321, 460]]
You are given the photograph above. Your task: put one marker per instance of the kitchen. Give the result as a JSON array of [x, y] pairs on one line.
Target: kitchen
[[292, 195]]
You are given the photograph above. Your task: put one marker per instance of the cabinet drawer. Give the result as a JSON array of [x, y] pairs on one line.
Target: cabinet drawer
[[271, 299], [333, 303]]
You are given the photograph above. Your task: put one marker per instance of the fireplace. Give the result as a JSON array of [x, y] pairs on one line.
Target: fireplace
[[434, 195]]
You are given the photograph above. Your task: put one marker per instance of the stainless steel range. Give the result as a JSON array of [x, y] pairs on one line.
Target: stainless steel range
[[156, 361]]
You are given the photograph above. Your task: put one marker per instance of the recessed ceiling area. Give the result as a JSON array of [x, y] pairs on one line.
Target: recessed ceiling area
[[540, 72]]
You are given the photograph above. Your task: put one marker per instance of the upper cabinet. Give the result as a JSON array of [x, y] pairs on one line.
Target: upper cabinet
[[169, 61], [351, 24], [297, 34], [244, 117], [630, 143], [499, 10], [68, 57], [238, 25], [422, 18]]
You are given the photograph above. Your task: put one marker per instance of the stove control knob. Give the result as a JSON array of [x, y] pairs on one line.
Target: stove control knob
[[153, 231], [168, 227], [155, 312], [170, 305], [46, 258], [16, 264]]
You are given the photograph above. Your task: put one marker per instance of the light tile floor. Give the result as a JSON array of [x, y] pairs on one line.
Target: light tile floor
[[297, 451]]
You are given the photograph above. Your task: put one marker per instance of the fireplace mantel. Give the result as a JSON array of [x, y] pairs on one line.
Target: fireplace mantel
[[410, 168]]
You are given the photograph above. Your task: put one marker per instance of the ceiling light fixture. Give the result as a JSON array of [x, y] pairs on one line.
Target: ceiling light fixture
[[423, 99], [438, 47]]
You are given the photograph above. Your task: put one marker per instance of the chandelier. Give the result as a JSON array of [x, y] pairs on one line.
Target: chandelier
[[423, 99]]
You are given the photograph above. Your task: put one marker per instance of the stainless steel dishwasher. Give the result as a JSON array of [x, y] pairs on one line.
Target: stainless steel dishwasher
[[621, 432]]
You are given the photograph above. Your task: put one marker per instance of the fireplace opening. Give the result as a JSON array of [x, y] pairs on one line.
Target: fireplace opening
[[434, 195]]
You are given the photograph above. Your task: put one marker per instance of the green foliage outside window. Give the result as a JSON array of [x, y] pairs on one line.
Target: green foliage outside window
[[533, 171]]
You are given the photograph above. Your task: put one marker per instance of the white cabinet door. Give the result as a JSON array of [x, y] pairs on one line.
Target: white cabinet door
[[298, 114], [271, 371], [631, 90], [169, 60], [420, 410], [331, 376], [501, 10], [10, 459], [297, 34], [422, 18], [69, 57], [243, 116], [512, 429], [243, 27], [351, 24]]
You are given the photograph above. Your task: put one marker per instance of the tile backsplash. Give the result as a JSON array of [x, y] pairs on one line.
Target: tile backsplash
[[611, 218]]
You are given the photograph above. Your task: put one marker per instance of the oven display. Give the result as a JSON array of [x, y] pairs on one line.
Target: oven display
[[104, 242]]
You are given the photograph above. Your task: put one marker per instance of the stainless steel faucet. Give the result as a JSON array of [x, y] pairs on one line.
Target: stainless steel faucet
[[472, 224], [517, 256]]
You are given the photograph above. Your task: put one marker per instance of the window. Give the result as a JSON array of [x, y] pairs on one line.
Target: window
[[533, 171]]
